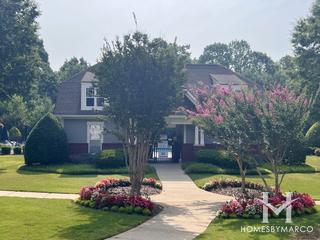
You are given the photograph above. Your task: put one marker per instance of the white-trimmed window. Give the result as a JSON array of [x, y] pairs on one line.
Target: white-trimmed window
[[90, 98]]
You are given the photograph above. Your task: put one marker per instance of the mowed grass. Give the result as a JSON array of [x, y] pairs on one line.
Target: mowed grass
[[39, 219], [314, 161], [301, 182], [230, 229], [13, 179]]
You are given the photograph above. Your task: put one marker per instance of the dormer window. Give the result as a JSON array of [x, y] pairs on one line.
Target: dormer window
[[90, 98]]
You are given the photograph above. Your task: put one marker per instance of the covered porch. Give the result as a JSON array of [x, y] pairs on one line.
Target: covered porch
[[180, 140]]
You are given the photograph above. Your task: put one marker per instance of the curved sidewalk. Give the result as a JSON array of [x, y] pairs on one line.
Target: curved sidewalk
[[38, 195], [187, 211]]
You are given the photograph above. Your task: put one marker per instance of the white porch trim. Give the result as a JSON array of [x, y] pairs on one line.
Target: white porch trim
[[178, 119]]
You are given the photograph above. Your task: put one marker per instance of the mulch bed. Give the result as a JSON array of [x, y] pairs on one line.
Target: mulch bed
[[237, 193], [145, 190]]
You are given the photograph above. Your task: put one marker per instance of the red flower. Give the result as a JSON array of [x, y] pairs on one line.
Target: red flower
[[86, 193]]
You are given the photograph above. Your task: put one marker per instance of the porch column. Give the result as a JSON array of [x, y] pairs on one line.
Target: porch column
[[184, 133], [201, 137], [196, 135]]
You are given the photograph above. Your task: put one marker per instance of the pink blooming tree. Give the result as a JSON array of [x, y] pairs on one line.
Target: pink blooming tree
[[267, 121], [229, 117], [282, 115]]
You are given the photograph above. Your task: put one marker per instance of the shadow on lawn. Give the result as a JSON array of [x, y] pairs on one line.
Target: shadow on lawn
[[61, 175], [98, 224]]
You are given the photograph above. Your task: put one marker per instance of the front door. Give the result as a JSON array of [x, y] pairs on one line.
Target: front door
[[162, 150], [95, 136]]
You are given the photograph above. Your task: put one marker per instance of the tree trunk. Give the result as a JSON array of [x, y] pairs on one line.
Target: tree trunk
[[276, 176], [242, 174], [266, 186], [137, 154], [243, 181]]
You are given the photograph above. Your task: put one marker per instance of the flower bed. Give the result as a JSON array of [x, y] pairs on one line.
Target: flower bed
[[253, 208], [124, 182], [99, 197], [224, 183]]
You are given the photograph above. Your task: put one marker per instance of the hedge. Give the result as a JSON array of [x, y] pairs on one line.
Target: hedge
[[5, 150], [110, 158], [219, 158]]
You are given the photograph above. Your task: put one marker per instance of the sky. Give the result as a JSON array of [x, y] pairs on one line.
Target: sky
[[78, 27]]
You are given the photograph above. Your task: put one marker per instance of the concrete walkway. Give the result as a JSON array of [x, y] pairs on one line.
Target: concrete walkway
[[38, 195], [187, 211]]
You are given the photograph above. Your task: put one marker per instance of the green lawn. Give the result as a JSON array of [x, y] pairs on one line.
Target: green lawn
[[301, 182], [11, 178], [314, 161], [230, 229], [39, 219]]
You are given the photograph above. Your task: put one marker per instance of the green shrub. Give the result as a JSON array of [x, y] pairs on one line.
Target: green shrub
[[15, 134], [110, 158], [146, 212], [296, 153], [313, 135], [17, 150], [129, 209], [212, 169], [317, 152], [219, 158], [138, 210], [114, 208], [201, 168], [46, 143], [5, 150], [122, 210], [92, 204]]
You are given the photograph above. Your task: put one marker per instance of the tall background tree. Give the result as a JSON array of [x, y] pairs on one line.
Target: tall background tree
[[28, 85], [238, 56], [22, 54], [71, 67], [306, 44], [141, 80]]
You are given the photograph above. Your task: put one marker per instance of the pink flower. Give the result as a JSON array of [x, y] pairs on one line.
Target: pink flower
[[218, 119]]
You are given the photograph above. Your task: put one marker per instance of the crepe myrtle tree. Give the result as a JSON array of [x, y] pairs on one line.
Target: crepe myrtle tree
[[229, 117], [269, 120], [282, 115], [141, 79]]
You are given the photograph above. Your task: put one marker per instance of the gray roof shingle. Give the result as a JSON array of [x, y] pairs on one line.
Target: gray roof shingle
[[69, 92]]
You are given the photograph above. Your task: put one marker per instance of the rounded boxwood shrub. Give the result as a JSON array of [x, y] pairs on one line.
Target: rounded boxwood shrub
[[17, 150], [146, 212], [15, 134], [313, 135], [46, 143], [114, 208], [296, 153], [5, 150]]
